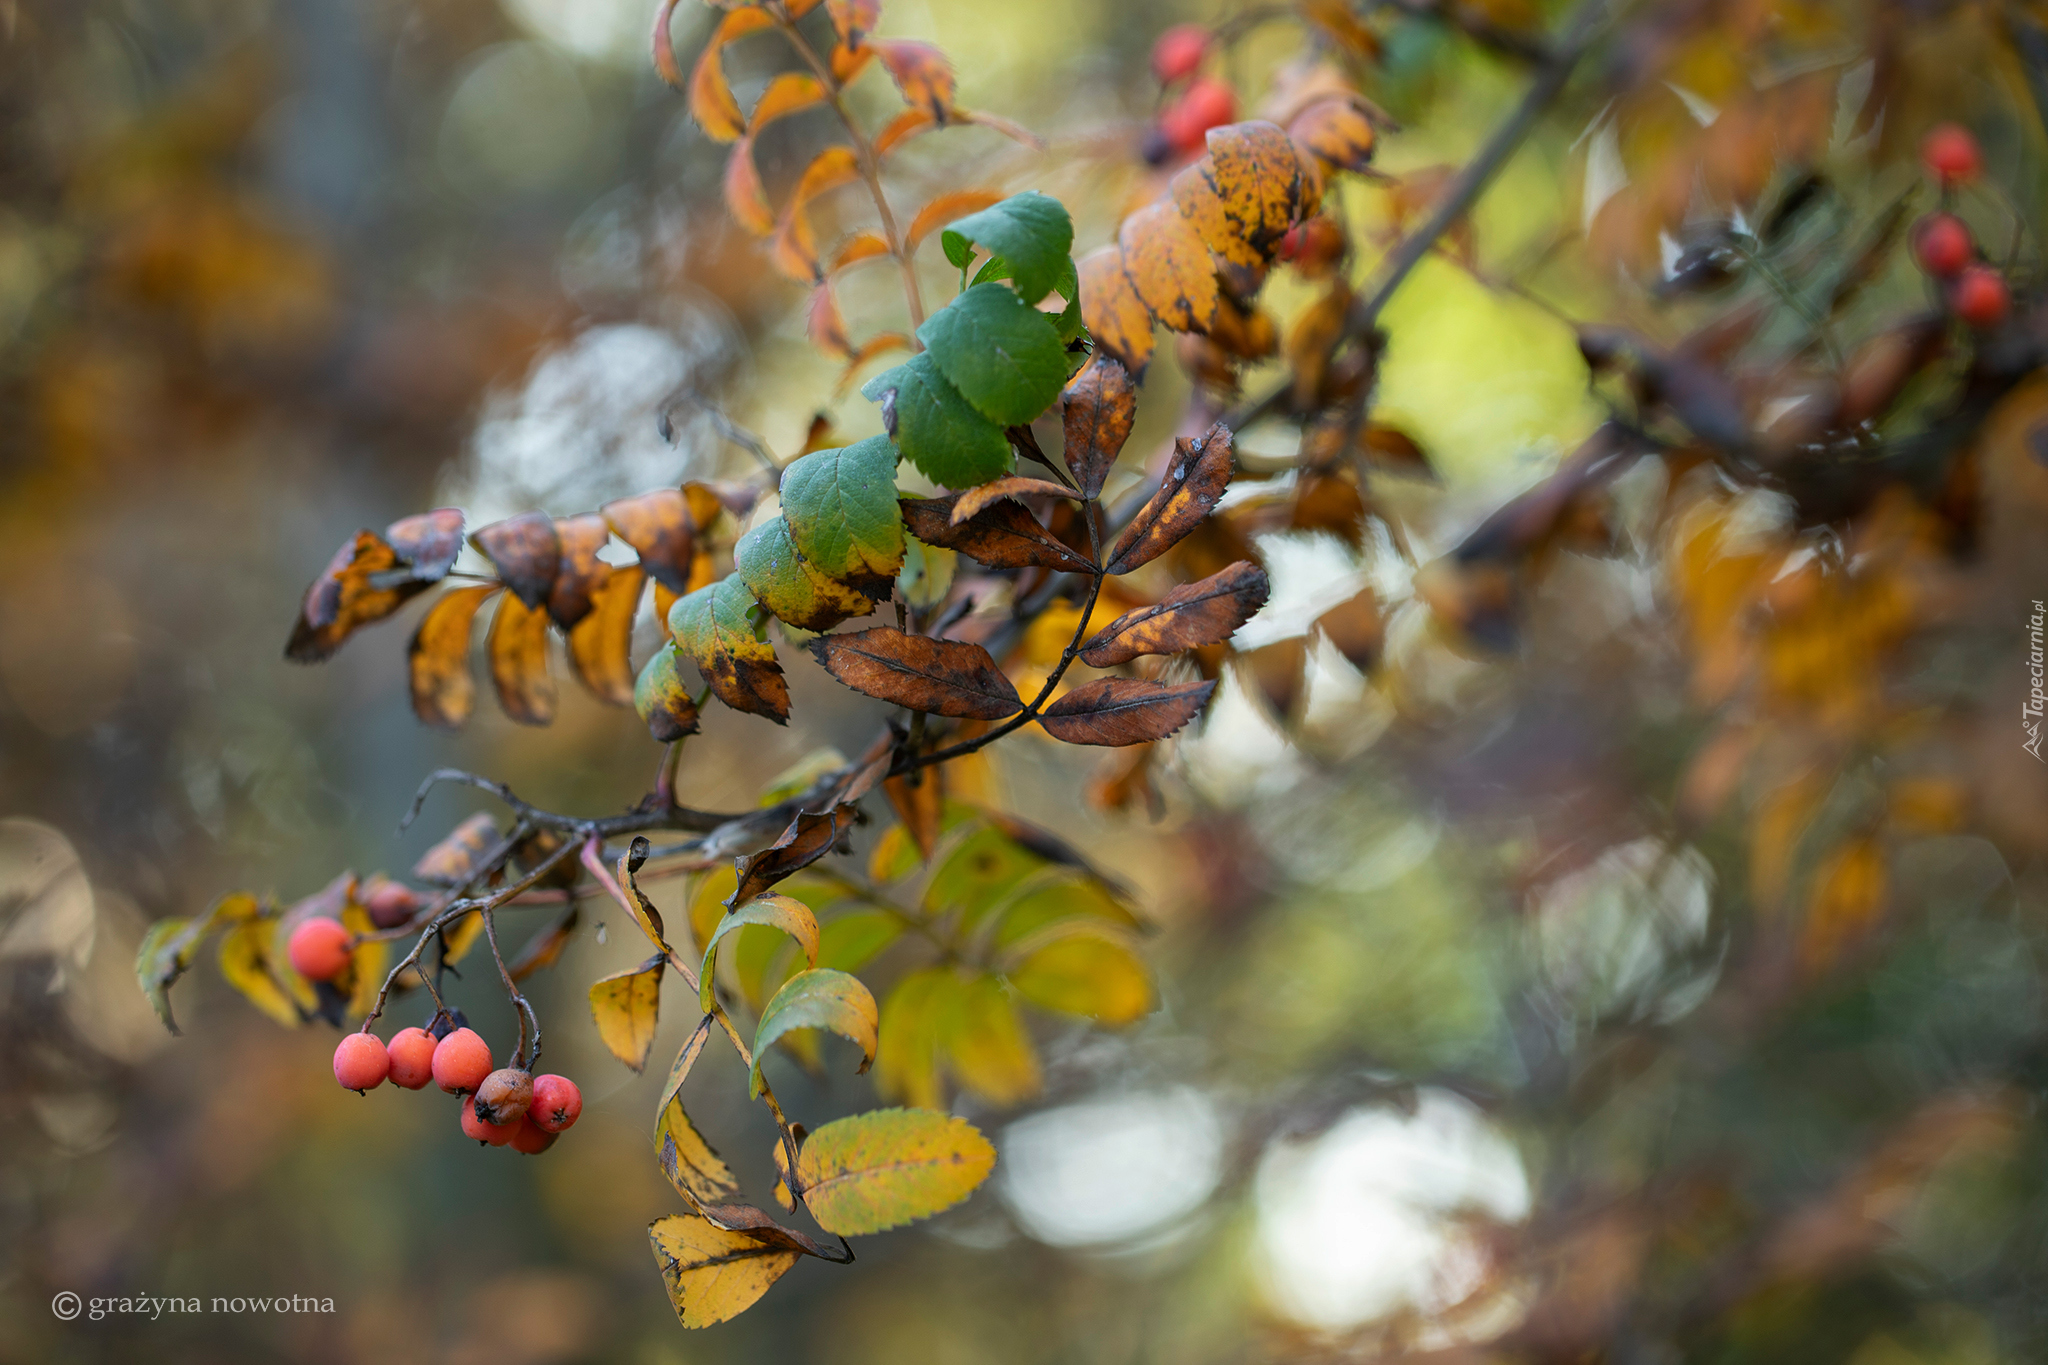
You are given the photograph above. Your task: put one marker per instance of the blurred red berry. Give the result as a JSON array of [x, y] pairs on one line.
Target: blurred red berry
[[1951, 152], [1942, 244], [361, 1063], [412, 1058], [1980, 297], [556, 1102], [530, 1138], [390, 904], [497, 1134], [1208, 103], [1178, 53], [319, 949], [461, 1061]]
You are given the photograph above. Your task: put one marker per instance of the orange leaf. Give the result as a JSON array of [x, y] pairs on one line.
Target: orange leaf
[[1198, 202], [438, 658], [789, 93], [711, 101], [1169, 267], [943, 210], [519, 662], [744, 197], [1255, 172], [827, 328], [582, 573], [853, 20], [600, 647], [862, 246], [1116, 317], [664, 50], [1848, 898], [1337, 131], [849, 62], [796, 249], [901, 129], [922, 73]]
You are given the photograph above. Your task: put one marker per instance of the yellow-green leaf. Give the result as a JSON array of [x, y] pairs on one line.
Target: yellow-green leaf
[[714, 1274], [907, 1057], [986, 1045], [791, 916], [820, 998], [679, 1071], [881, 1170], [1083, 970], [627, 1007], [699, 1174], [168, 948]]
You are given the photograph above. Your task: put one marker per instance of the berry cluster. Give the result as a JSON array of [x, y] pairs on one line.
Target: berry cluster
[[509, 1106], [1198, 102], [1942, 243]]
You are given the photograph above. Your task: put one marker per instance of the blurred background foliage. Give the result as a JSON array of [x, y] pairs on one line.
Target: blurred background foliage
[[1545, 999]]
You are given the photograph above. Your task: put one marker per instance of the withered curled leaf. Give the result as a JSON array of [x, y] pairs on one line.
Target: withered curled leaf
[[1120, 711], [1192, 615], [944, 677], [1002, 536], [526, 552], [1096, 412], [1194, 482]]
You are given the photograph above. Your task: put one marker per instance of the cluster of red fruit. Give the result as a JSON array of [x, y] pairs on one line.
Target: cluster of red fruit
[[1203, 103], [504, 1107], [1942, 243]]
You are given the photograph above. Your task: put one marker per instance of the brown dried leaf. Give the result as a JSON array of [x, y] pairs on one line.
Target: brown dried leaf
[[825, 326], [1194, 481], [600, 647], [1096, 411], [985, 495], [581, 573], [519, 662], [1392, 448], [711, 101], [450, 862], [437, 661], [526, 553], [1337, 131], [1120, 711], [745, 199], [660, 528], [1192, 615], [919, 799], [943, 210], [945, 677], [1116, 317], [428, 542], [1355, 627], [347, 596], [808, 837], [1004, 536], [921, 73], [1169, 267]]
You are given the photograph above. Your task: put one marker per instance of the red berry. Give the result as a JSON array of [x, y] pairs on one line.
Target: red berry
[[1951, 153], [497, 1134], [412, 1058], [1980, 297], [556, 1102], [1179, 52], [1208, 103], [461, 1061], [361, 1063], [1942, 245], [531, 1138], [504, 1096], [319, 949], [390, 903]]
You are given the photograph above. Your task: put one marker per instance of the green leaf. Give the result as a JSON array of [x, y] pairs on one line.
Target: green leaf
[[842, 511], [936, 429], [1031, 231], [717, 629], [958, 249], [820, 998], [1057, 895], [1004, 356], [786, 585], [627, 1008], [851, 941], [881, 1170], [978, 872], [792, 917]]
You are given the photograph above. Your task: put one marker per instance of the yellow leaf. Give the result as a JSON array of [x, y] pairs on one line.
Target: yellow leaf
[[713, 1274], [707, 901], [1169, 267], [986, 1044], [1848, 897], [245, 962], [1082, 970], [883, 1169], [1116, 317], [787, 94], [906, 1060], [627, 1008], [699, 1174], [365, 976]]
